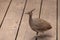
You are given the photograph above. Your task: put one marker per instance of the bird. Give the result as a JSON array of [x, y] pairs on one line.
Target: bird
[[38, 24]]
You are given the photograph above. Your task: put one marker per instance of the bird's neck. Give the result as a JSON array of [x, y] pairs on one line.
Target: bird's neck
[[30, 17]]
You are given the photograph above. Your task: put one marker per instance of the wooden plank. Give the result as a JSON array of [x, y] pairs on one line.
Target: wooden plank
[[49, 14], [3, 6], [58, 19], [59, 26], [26, 33], [5, 13], [10, 25]]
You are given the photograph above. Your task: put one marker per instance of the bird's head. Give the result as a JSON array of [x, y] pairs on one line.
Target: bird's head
[[30, 12]]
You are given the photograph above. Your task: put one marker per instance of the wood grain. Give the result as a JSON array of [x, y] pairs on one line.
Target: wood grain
[[10, 24], [49, 14], [3, 7], [58, 19], [26, 33]]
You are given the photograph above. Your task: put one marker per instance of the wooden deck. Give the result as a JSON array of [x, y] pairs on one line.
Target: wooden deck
[[15, 18], [58, 19]]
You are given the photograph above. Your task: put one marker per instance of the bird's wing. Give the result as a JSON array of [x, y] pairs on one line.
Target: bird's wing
[[40, 23]]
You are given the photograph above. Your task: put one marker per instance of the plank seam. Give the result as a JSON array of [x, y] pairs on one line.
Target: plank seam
[[5, 13], [40, 8], [20, 20], [57, 20], [40, 13]]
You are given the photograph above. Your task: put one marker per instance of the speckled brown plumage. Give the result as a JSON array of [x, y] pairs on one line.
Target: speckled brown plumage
[[38, 25]]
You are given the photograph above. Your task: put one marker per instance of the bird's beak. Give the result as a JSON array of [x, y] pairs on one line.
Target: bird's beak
[[26, 13], [30, 11]]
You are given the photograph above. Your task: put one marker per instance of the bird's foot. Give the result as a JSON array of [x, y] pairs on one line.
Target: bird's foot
[[36, 35], [36, 38]]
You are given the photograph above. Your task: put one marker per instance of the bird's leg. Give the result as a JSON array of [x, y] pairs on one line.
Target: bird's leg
[[36, 35], [43, 33]]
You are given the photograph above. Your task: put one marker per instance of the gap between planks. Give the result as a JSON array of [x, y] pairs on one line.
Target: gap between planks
[[26, 33], [48, 14], [9, 26], [5, 13]]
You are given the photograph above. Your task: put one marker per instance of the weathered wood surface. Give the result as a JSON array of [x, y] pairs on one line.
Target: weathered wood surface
[[58, 19], [25, 31], [3, 7], [48, 13], [10, 24]]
